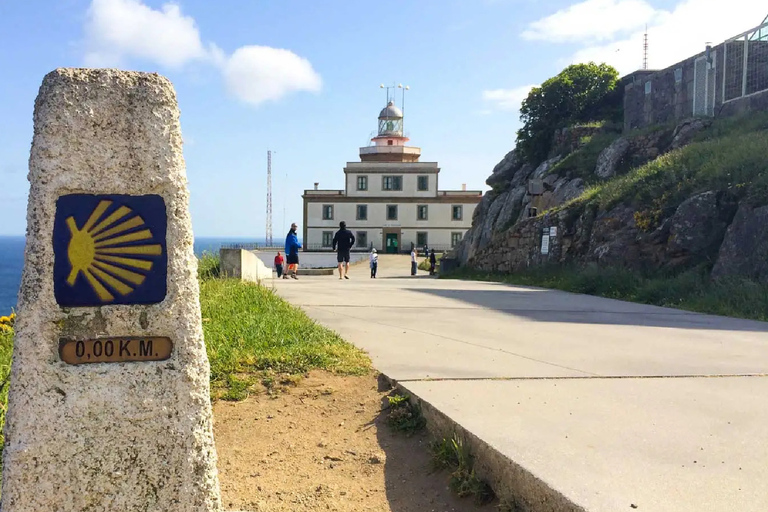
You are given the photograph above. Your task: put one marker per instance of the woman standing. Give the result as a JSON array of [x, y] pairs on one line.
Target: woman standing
[[374, 263]]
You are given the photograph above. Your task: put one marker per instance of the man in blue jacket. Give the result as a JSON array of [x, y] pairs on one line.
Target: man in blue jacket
[[292, 247]]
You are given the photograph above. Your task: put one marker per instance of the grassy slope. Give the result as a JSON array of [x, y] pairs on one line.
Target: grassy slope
[[251, 334], [730, 155]]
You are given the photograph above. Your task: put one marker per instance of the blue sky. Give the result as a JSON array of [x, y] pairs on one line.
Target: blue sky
[[302, 78]]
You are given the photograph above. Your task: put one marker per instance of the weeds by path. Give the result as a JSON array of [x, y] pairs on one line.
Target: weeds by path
[[453, 455], [252, 335], [403, 416]]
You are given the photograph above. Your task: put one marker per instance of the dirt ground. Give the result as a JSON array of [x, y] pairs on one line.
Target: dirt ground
[[324, 445]]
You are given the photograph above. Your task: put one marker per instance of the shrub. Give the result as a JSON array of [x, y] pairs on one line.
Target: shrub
[[579, 93]]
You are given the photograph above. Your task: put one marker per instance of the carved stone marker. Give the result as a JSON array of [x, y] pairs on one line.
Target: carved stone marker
[[109, 406]]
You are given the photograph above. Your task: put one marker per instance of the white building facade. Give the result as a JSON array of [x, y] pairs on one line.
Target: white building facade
[[390, 200]]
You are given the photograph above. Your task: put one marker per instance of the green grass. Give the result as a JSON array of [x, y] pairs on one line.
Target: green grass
[[252, 335], [691, 290], [208, 266], [6, 351]]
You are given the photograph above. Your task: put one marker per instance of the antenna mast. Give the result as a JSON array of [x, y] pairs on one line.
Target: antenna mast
[[645, 48], [269, 200]]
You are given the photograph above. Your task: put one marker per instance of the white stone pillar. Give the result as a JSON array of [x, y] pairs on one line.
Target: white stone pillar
[[98, 418]]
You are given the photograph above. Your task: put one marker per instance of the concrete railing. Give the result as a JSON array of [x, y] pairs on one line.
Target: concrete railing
[[243, 265]]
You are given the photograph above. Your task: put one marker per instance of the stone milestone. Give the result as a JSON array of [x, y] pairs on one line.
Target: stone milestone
[[109, 405]]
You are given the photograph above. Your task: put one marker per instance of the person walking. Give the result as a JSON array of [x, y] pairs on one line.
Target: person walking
[[374, 263], [432, 262], [414, 265], [292, 247], [279, 260], [343, 241]]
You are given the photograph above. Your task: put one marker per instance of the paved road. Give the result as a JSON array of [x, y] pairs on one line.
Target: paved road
[[613, 404]]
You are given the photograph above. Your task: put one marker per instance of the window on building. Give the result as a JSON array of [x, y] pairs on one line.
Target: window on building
[[421, 212], [391, 212], [362, 183], [423, 183], [678, 75], [456, 238], [389, 142], [392, 183], [648, 87], [362, 212], [327, 238], [327, 212], [361, 238], [421, 238], [457, 212]]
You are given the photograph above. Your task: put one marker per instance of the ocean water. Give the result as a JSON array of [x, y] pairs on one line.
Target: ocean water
[[12, 263]]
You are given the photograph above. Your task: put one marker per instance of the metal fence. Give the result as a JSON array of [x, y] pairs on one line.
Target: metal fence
[[745, 64]]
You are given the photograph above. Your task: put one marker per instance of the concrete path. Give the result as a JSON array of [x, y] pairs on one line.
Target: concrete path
[[616, 406]]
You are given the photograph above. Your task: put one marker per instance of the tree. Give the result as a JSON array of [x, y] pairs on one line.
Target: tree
[[579, 93]]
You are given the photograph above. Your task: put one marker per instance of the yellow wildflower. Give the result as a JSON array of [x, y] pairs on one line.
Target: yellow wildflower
[[5, 320]]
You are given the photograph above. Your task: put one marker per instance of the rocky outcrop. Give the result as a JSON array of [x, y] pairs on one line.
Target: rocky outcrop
[[744, 252], [702, 229]]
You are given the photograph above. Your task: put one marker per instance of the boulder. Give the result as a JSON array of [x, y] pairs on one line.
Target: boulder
[[522, 175], [544, 167], [697, 225], [567, 190], [486, 231], [608, 160], [613, 237], [685, 131], [744, 251], [504, 171], [510, 209]]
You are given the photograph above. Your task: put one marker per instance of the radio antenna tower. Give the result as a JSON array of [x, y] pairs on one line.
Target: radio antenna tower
[[269, 200], [645, 48]]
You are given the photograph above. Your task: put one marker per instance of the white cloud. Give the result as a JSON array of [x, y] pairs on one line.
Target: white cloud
[[127, 28], [673, 35], [259, 73], [591, 20], [507, 99], [121, 30]]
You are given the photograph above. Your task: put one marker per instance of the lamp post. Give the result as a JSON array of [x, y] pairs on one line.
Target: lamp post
[[382, 86], [407, 87]]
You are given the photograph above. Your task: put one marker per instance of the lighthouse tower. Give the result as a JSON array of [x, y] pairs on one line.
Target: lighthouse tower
[[389, 144]]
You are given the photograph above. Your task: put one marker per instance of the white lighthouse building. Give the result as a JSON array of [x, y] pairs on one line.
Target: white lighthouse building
[[390, 200]]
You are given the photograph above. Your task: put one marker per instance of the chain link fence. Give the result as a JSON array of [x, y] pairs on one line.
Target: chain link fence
[[746, 64]]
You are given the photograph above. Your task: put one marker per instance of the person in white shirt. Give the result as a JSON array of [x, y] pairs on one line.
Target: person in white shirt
[[374, 263], [414, 266]]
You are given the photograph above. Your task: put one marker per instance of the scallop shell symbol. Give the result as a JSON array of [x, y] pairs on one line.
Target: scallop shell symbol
[[106, 253]]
